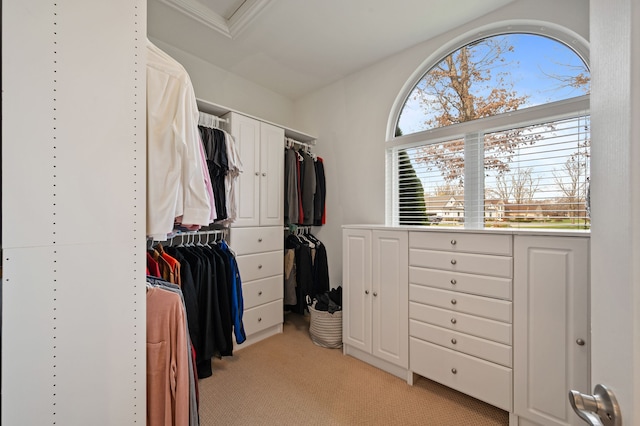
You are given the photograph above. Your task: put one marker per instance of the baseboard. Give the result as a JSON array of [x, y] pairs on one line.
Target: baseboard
[[256, 337], [376, 362]]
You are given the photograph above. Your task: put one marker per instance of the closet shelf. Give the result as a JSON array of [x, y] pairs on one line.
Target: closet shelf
[[219, 110]]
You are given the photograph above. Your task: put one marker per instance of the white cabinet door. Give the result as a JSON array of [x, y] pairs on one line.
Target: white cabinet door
[[271, 175], [260, 187], [551, 327], [390, 296], [246, 132], [356, 287]]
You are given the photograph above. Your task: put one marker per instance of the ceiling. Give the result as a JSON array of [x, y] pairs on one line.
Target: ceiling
[[294, 47]]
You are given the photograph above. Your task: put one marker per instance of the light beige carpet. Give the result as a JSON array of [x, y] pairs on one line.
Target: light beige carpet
[[287, 380]]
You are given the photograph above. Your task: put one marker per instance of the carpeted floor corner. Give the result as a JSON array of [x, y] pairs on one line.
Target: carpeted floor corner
[[287, 380]]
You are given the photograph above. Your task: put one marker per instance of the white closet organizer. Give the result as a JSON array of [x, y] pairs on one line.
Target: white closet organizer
[[256, 234]]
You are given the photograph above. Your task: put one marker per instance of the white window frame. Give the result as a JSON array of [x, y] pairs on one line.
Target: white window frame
[[475, 130]]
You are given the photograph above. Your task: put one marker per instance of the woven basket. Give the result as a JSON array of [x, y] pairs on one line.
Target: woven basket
[[325, 328]]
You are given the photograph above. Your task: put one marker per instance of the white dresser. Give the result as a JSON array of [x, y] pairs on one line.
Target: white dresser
[[259, 256], [256, 235], [460, 313]]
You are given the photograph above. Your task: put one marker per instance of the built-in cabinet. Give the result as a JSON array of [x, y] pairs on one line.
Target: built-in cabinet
[[501, 316], [256, 235], [260, 186], [551, 327], [375, 292], [460, 312]]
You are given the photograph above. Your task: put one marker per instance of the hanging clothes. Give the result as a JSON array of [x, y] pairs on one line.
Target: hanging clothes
[[304, 188], [291, 188], [176, 188], [213, 297], [223, 169], [309, 274], [308, 182], [319, 204], [168, 355]]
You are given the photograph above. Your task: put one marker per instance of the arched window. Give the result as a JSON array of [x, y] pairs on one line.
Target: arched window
[[495, 134]]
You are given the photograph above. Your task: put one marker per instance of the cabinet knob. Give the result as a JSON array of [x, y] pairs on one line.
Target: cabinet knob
[[257, 174], [453, 261], [580, 342], [260, 293], [453, 242], [375, 294], [454, 282], [454, 341], [454, 371], [453, 321], [259, 240], [264, 174], [366, 292], [259, 319], [454, 301], [259, 266]]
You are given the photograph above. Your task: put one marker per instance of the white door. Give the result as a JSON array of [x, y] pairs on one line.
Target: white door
[[551, 329], [356, 319], [615, 202], [271, 175], [390, 291], [246, 132]]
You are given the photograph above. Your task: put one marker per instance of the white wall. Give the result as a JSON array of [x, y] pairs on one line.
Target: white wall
[[350, 119], [213, 84]]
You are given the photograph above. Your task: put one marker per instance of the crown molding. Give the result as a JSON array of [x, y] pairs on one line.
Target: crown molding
[[232, 27]]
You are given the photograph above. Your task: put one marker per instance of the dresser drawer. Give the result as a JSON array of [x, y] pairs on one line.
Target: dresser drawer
[[256, 240], [460, 342], [484, 380], [462, 242], [499, 310], [480, 327], [499, 266], [258, 292], [261, 265], [262, 317], [482, 285]]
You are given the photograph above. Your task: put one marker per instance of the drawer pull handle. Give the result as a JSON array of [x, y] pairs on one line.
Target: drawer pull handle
[[454, 371], [260, 293], [259, 240], [259, 319], [366, 292], [259, 266], [454, 341], [454, 282], [454, 301], [264, 174], [257, 174], [375, 294], [453, 321], [453, 242], [580, 342], [453, 261]]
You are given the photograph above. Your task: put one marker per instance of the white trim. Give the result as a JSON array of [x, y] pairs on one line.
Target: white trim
[[231, 27], [551, 111]]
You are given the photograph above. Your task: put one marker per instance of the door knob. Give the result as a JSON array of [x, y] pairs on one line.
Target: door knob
[[599, 409]]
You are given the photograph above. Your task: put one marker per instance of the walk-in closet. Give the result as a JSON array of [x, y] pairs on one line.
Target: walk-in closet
[[183, 179]]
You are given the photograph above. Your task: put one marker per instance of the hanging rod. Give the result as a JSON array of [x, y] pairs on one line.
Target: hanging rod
[[193, 235], [290, 142], [209, 120]]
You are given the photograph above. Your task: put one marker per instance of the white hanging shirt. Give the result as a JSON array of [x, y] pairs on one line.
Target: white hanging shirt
[[235, 168], [175, 177]]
